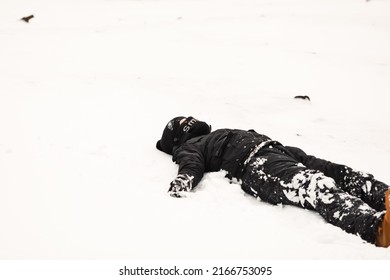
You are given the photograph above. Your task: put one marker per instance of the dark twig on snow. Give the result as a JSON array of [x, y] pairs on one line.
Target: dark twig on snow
[[304, 97], [27, 19]]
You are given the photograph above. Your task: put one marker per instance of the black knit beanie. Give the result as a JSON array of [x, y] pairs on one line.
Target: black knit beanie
[[175, 133], [165, 144]]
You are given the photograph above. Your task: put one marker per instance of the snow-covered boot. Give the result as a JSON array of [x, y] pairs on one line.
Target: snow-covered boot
[[383, 237]]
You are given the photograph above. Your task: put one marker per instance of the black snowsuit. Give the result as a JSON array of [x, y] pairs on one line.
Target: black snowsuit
[[349, 199]]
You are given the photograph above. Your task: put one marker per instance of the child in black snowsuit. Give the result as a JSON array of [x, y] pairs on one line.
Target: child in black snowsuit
[[352, 200]]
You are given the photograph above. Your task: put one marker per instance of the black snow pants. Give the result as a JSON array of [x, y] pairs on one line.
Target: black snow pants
[[349, 199]]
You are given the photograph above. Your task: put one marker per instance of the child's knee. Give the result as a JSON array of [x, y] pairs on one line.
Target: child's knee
[[326, 187], [308, 187]]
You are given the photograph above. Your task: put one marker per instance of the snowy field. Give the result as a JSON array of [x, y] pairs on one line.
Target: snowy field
[[87, 86]]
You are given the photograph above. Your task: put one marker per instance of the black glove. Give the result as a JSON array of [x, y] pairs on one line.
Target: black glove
[[182, 183]]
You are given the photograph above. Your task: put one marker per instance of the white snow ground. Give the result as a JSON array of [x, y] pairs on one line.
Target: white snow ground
[[88, 85]]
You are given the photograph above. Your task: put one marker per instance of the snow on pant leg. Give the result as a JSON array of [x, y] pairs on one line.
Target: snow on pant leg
[[276, 178], [365, 186], [356, 183]]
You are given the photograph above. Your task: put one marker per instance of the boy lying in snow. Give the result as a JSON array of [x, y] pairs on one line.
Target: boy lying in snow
[[352, 200]]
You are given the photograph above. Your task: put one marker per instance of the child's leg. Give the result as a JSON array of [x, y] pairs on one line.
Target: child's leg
[[276, 178], [356, 183], [365, 186]]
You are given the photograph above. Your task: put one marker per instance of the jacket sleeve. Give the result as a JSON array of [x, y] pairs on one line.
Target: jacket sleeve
[[191, 161], [330, 169]]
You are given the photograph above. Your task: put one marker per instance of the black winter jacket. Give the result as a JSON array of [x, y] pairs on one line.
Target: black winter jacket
[[226, 149]]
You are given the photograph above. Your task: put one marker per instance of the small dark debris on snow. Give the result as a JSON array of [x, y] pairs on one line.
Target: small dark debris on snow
[[304, 97], [27, 19]]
